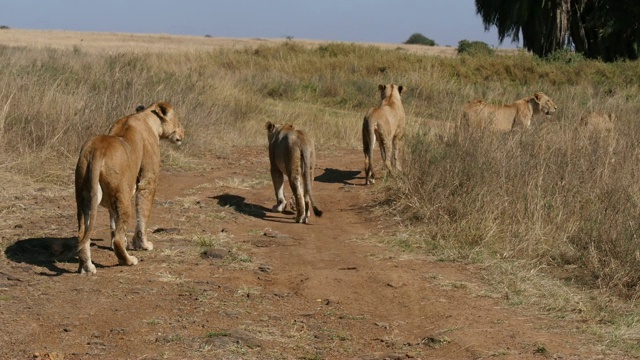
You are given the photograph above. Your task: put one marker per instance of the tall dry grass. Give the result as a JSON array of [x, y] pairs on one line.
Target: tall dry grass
[[555, 195], [552, 197]]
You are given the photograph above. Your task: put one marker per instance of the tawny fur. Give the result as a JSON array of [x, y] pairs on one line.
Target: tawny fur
[[503, 118], [292, 153], [384, 123], [112, 168], [597, 122]]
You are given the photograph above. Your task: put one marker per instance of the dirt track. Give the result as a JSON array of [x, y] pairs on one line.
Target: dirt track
[[267, 289]]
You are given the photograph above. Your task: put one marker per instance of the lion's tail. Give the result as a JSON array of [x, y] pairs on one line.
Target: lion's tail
[[368, 142], [307, 171], [92, 170]]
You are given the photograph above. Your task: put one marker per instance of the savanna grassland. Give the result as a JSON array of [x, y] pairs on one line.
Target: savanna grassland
[[550, 214]]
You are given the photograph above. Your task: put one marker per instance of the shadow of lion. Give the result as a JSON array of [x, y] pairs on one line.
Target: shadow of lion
[[45, 252]]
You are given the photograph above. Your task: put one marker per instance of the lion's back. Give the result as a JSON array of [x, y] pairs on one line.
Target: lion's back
[[597, 121], [479, 114], [385, 118]]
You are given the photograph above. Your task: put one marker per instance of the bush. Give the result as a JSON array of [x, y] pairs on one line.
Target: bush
[[565, 56], [474, 48], [419, 39], [4, 27]]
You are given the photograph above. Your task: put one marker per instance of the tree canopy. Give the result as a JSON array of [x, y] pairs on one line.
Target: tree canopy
[[604, 29], [420, 39]]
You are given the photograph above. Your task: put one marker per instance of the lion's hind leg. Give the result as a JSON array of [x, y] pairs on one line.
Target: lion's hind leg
[[144, 196], [386, 152], [122, 211], [295, 181], [112, 226], [396, 146], [120, 248], [85, 266], [278, 185], [368, 143]]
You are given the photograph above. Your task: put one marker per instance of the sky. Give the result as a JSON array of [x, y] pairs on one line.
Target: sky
[[384, 21]]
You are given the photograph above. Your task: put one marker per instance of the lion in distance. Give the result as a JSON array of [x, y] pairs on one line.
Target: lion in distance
[[292, 153], [597, 122], [114, 168], [504, 118], [384, 123]]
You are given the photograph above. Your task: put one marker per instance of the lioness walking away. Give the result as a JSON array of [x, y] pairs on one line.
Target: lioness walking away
[[112, 168], [386, 124], [291, 152]]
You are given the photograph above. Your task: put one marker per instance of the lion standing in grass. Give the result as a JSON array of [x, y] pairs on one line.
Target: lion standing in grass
[[478, 114], [113, 168], [291, 152], [385, 124]]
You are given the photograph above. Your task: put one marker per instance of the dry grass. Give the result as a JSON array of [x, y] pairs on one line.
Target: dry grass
[[101, 42], [529, 205]]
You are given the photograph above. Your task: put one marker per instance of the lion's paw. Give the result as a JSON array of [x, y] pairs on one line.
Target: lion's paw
[[130, 261], [88, 269], [142, 245]]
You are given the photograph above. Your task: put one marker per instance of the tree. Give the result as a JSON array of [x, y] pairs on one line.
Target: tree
[[606, 29], [596, 28], [466, 47], [543, 24], [420, 39]]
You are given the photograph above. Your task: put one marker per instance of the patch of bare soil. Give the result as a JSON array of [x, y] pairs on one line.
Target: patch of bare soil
[[229, 279]]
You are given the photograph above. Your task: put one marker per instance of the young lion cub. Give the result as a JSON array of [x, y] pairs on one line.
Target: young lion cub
[[291, 151]]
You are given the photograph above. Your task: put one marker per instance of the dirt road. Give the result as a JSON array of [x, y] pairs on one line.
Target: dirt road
[[229, 279]]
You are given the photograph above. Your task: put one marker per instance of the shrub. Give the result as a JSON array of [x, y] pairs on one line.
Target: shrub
[[419, 39], [474, 48], [4, 27], [565, 56]]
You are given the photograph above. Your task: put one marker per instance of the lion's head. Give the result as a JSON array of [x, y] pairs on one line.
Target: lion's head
[[390, 91], [170, 122], [274, 129], [544, 103]]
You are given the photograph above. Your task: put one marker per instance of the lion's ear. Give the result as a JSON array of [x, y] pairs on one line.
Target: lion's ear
[[381, 87], [269, 126], [159, 114], [400, 89], [538, 96], [164, 107], [162, 110], [140, 108]]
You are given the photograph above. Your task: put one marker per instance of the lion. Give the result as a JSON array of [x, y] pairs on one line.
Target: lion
[[112, 168], [385, 124], [291, 152], [597, 122], [504, 118]]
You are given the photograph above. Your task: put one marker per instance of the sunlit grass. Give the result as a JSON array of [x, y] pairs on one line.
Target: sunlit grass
[[526, 205]]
